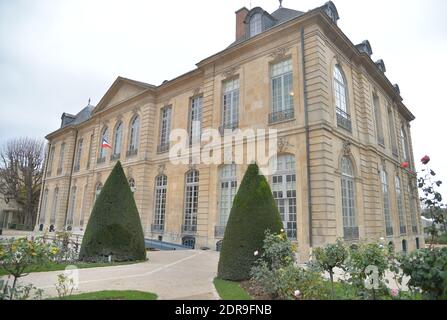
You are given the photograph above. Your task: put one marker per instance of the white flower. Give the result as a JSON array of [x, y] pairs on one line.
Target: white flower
[[282, 230], [297, 294], [256, 253]]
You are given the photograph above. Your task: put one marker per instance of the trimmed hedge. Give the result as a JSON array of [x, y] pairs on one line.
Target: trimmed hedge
[[254, 211], [114, 227]]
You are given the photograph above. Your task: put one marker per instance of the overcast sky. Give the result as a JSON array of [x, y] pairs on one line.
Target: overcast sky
[[55, 55]]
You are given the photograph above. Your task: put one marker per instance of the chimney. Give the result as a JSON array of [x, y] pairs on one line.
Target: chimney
[[241, 14]]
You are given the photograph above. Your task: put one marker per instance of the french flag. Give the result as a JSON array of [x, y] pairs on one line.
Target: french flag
[[105, 144]]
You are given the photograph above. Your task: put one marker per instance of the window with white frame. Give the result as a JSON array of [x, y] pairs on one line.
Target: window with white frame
[[195, 120], [392, 130], [50, 160], [191, 201], [340, 91], [54, 206], [228, 188], [386, 202], [378, 118], [165, 128], [161, 184], [255, 24], [134, 134], [90, 151], [230, 104], [350, 227], [132, 185], [78, 155], [284, 192], [61, 158], [98, 190], [118, 139], [43, 210], [413, 211], [404, 142], [104, 136], [84, 204], [72, 209], [282, 90], [400, 207]]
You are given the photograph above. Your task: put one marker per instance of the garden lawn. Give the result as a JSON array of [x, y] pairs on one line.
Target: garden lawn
[[53, 266], [112, 295], [229, 290]]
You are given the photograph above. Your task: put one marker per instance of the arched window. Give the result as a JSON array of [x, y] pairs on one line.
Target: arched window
[[54, 206], [72, 209], [161, 184], [98, 190], [43, 210], [404, 246], [386, 202], [84, 203], [350, 227], [340, 90], [284, 191], [132, 185], [117, 140], [104, 136], [404, 142], [134, 135], [228, 187], [413, 212], [191, 201], [400, 207], [255, 24], [77, 164]]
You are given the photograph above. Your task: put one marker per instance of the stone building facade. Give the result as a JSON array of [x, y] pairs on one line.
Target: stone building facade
[[343, 131]]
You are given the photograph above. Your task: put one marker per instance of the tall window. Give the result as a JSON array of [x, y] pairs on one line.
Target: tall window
[[90, 151], [98, 190], [191, 201], [72, 207], [378, 118], [77, 165], [386, 202], [392, 129], [132, 185], [255, 24], [400, 207], [341, 99], [84, 204], [54, 206], [284, 192], [195, 120], [165, 129], [50, 160], [161, 184], [404, 142], [413, 211], [282, 91], [350, 227], [118, 140], [43, 210], [104, 136], [230, 104], [228, 187], [61, 159], [134, 135]]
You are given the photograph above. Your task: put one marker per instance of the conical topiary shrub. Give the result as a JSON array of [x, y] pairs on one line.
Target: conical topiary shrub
[[254, 211], [114, 227]]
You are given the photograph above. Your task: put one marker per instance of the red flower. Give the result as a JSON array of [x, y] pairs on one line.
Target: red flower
[[425, 160], [405, 165]]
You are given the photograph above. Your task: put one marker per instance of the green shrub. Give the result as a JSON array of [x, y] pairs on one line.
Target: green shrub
[[427, 270], [330, 257], [254, 211], [114, 228]]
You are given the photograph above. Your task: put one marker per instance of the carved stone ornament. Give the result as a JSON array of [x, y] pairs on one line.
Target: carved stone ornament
[[161, 169], [283, 144], [279, 53], [230, 72], [196, 92], [347, 147], [192, 166]]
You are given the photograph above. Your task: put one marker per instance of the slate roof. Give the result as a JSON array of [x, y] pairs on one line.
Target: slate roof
[[82, 116]]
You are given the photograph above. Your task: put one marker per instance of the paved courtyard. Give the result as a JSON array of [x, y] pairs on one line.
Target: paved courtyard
[[170, 274]]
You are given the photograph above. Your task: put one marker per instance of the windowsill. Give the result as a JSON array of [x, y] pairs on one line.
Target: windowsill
[[282, 121], [345, 129]]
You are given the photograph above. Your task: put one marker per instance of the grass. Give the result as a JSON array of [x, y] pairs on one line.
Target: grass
[[229, 290], [112, 295], [53, 266]]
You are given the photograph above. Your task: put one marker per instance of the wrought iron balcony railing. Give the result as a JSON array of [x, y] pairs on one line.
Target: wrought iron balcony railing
[[131, 153], [228, 127], [189, 228], [157, 227], [76, 168], [351, 233], [415, 229], [101, 160], [163, 148], [389, 231], [280, 116], [403, 230], [344, 120], [219, 231], [114, 157]]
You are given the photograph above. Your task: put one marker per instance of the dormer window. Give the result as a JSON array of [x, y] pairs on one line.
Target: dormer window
[[255, 24]]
